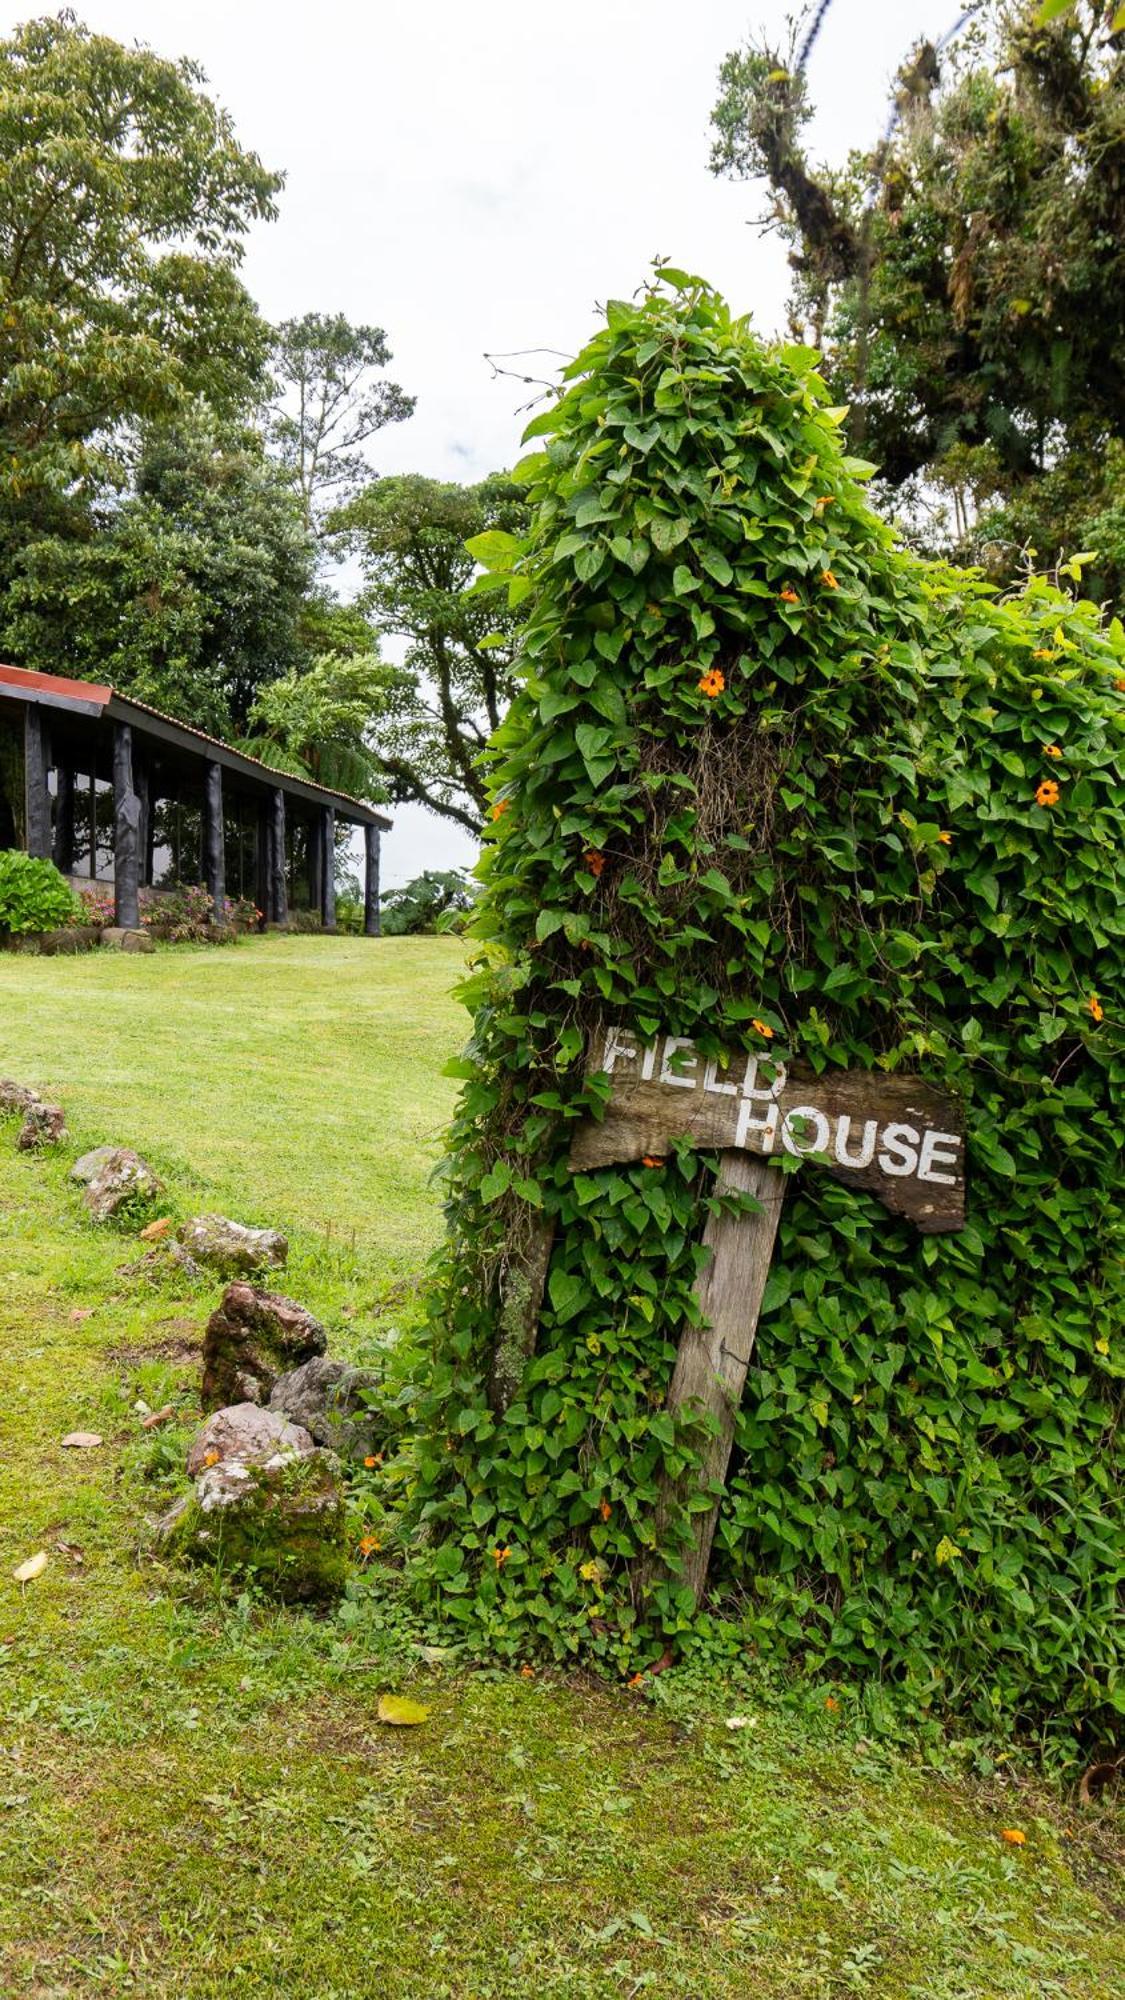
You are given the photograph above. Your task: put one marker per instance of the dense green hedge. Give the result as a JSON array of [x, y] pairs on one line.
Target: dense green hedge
[[33, 895], [767, 768]]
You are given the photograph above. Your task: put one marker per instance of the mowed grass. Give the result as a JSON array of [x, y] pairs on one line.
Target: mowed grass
[[195, 1797]]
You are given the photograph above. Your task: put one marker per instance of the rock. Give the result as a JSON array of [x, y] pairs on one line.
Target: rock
[[90, 1165], [232, 1248], [80, 1440], [164, 1263], [122, 1179], [44, 1125], [253, 1337], [127, 940], [280, 1523], [330, 1399], [59, 943], [16, 1100], [247, 1432]]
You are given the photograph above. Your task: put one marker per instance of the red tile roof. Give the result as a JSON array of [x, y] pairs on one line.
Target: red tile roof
[[95, 695]]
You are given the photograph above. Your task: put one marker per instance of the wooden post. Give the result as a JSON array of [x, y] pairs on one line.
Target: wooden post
[[63, 846], [279, 888], [262, 860], [142, 785], [371, 924], [214, 846], [328, 876], [126, 832], [38, 823], [712, 1361], [316, 869]]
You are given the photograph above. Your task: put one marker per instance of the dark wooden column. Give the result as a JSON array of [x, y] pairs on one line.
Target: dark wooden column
[[62, 850], [142, 785], [38, 829], [126, 832], [262, 838], [214, 847], [371, 924], [316, 861], [328, 875], [279, 892]]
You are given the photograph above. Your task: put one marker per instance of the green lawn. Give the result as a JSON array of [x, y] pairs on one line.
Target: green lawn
[[195, 1799]]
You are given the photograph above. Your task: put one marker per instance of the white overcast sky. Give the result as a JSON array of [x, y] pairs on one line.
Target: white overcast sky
[[478, 178]]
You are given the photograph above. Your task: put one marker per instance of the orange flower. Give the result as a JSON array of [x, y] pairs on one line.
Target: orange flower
[[605, 1510], [369, 1544], [636, 1681], [712, 683], [500, 1557], [1119, 684], [789, 595], [211, 1458], [1051, 750], [828, 580], [527, 1673], [946, 839], [651, 1160], [826, 500], [831, 1703], [595, 862], [763, 1028], [377, 1460], [1096, 1008], [1013, 1836], [1043, 653], [500, 808], [1047, 793]]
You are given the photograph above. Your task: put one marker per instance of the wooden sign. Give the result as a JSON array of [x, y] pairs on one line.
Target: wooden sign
[[897, 1137], [900, 1139]]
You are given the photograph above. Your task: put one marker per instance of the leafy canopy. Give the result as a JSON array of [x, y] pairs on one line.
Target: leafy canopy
[[188, 593], [966, 276], [124, 198], [765, 769], [328, 407], [409, 534]]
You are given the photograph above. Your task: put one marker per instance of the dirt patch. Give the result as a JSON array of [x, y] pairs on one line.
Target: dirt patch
[[183, 1341]]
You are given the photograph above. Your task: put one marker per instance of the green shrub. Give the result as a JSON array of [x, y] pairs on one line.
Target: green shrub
[[434, 901], [767, 767], [33, 895]]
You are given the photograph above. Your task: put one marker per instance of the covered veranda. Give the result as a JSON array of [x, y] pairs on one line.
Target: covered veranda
[[118, 794]]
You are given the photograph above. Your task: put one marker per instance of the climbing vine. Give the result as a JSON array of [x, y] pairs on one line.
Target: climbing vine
[[773, 782]]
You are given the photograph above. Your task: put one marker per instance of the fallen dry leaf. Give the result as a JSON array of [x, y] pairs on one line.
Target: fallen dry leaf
[[156, 1417], [156, 1229], [79, 1313], [80, 1440], [401, 1711], [33, 1567]]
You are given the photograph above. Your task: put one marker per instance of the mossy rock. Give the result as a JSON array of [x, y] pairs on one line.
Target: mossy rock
[[281, 1524]]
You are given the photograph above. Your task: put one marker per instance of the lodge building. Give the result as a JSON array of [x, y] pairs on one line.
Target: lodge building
[[116, 793]]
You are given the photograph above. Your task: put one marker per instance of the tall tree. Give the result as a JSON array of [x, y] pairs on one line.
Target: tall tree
[[330, 406], [189, 594], [966, 276], [124, 198], [318, 719], [409, 534]]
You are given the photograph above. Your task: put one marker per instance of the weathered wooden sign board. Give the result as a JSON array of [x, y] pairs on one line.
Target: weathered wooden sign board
[[893, 1135], [898, 1138]]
